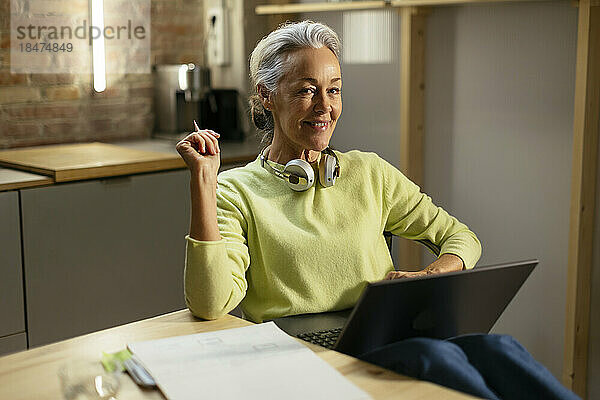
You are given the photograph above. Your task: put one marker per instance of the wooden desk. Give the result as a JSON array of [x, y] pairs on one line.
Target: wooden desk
[[32, 374]]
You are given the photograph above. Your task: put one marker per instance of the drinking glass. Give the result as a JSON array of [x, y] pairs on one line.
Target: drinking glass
[[87, 380]]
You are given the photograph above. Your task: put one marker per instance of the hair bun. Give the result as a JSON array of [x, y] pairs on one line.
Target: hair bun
[[261, 117]]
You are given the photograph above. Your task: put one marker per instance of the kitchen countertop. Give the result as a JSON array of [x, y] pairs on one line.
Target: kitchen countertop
[[11, 179], [44, 165], [231, 152]]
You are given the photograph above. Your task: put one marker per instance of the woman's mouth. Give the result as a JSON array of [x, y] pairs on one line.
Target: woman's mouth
[[318, 125]]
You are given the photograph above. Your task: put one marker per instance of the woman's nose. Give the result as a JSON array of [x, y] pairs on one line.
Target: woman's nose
[[322, 103]]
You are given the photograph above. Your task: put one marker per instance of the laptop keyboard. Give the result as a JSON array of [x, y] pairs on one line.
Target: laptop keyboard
[[325, 338]]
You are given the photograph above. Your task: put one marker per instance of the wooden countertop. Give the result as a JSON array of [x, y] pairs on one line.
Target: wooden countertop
[[32, 374], [70, 162], [231, 152], [11, 179]]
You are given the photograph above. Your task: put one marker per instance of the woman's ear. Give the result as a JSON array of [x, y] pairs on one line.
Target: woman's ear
[[265, 97]]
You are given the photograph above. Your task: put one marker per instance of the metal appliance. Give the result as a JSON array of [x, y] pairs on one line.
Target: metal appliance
[[179, 90], [220, 111], [182, 94]]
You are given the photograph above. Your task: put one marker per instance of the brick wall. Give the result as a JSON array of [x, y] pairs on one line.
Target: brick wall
[[61, 108]]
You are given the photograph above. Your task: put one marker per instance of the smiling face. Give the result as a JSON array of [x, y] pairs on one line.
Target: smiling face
[[308, 102]]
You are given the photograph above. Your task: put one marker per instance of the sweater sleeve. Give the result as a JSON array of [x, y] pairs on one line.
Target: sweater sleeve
[[214, 277], [412, 215]]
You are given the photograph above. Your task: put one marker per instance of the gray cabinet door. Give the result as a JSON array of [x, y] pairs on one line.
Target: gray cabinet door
[[13, 343], [104, 252], [12, 318]]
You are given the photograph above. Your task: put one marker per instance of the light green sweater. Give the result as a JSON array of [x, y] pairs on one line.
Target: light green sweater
[[284, 252]]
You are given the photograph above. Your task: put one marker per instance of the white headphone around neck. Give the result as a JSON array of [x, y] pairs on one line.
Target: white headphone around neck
[[299, 175]]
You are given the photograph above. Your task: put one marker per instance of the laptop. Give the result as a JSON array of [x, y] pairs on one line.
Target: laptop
[[436, 306]]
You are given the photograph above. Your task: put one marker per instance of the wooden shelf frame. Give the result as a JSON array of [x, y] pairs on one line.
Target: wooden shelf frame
[[291, 8], [412, 112], [585, 148], [583, 197]]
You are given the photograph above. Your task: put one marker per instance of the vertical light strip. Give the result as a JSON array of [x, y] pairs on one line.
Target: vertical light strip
[[98, 57], [183, 83], [375, 42]]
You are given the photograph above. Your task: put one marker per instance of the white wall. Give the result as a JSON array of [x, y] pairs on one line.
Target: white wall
[[233, 75], [499, 116], [499, 121]]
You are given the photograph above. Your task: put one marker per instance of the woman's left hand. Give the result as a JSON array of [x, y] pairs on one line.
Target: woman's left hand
[[406, 274], [446, 263]]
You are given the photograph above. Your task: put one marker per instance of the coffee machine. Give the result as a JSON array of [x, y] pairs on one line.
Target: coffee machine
[[182, 94], [178, 92], [220, 111]]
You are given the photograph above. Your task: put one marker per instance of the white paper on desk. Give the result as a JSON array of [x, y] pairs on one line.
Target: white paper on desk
[[253, 362]]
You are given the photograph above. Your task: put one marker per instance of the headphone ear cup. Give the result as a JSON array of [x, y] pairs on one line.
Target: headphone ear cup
[[327, 170], [301, 175]]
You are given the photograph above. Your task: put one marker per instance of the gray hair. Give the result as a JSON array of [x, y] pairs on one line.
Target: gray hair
[[269, 62]]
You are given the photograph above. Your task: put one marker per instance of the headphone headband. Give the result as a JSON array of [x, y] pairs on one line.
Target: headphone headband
[[299, 174]]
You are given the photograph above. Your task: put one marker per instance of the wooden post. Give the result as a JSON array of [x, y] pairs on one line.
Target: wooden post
[[583, 196], [412, 113]]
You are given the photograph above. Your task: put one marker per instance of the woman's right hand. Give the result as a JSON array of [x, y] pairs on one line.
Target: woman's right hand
[[200, 151]]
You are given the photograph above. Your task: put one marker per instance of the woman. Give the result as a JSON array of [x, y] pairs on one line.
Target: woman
[[273, 239]]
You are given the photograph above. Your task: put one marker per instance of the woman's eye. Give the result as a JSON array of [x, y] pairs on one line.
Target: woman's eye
[[310, 90]]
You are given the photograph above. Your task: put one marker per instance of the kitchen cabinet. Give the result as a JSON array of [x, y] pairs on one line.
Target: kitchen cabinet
[[82, 251], [103, 252], [13, 343], [12, 319]]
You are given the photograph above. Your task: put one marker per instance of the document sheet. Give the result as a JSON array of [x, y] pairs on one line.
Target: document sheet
[[253, 362]]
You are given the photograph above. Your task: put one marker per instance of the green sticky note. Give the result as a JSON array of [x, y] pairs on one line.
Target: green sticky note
[[114, 361]]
